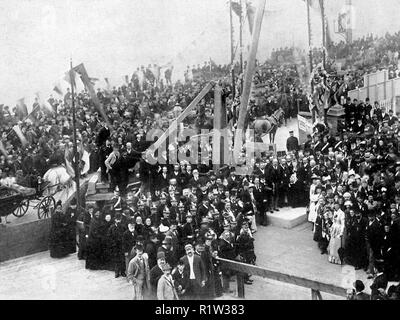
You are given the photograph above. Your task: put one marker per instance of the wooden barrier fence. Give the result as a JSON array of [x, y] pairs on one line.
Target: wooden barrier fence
[[315, 286]]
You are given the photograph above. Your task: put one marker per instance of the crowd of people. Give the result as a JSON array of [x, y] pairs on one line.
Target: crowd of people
[[165, 235]]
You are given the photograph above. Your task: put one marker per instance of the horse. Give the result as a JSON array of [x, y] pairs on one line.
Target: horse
[[57, 178], [267, 124]]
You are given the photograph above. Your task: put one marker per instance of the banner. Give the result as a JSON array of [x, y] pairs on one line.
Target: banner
[[3, 149], [20, 135], [58, 90], [87, 81], [304, 124]]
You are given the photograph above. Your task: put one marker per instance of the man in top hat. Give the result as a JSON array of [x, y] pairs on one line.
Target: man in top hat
[[188, 229], [72, 216], [170, 255], [156, 272], [374, 238], [115, 235], [129, 241], [292, 143]]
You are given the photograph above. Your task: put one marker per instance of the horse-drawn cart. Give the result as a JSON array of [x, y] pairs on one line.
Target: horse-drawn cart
[[16, 200]]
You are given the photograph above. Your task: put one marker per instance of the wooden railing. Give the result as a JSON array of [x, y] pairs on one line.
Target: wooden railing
[[315, 286]]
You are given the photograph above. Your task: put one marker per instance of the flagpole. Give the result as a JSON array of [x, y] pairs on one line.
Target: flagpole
[[310, 51], [75, 158], [232, 53], [322, 5], [241, 37]]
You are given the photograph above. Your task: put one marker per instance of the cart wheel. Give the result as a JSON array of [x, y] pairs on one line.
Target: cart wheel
[[46, 207], [22, 209]]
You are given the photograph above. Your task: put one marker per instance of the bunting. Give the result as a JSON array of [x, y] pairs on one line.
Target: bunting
[[18, 131]]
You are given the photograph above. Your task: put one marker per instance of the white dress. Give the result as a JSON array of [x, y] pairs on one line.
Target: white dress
[[312, 215]]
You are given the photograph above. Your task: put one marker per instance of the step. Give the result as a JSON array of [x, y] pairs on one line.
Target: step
[[106, 196], [287, 218]]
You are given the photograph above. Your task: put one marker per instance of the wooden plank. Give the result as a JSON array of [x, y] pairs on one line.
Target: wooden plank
[[174, 124], [287, 278]]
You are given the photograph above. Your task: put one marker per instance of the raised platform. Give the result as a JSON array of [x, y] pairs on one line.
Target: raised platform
[[287, 218]]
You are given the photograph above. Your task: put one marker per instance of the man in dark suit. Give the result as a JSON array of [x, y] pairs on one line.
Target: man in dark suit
[[260, 195], [380, 283], [103, 135], [163, 180], [156, 273], [374, 237], [274, 175], [392, 118], [292, 143], [196, 272]]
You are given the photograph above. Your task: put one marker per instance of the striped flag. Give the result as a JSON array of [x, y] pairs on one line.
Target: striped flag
[[3, 149], [20, 135]]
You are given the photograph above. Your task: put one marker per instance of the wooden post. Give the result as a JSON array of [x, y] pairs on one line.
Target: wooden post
[[232, 51], [315, 295], [219, 125], [240, 284], [174, 124], [250, 68]]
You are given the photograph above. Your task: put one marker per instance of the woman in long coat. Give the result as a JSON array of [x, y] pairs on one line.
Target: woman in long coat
[[94, 260], [59, 246]]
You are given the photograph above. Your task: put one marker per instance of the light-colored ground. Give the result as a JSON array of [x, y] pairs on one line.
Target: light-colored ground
[[293, 251]]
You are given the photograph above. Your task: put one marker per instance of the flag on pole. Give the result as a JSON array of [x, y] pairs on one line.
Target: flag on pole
[[251, 12], [3, 149], [237, 8], [20, 135], [44, 105], [70, 77], [127, 79], [108, 87], [58, 90], [81, 70]]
